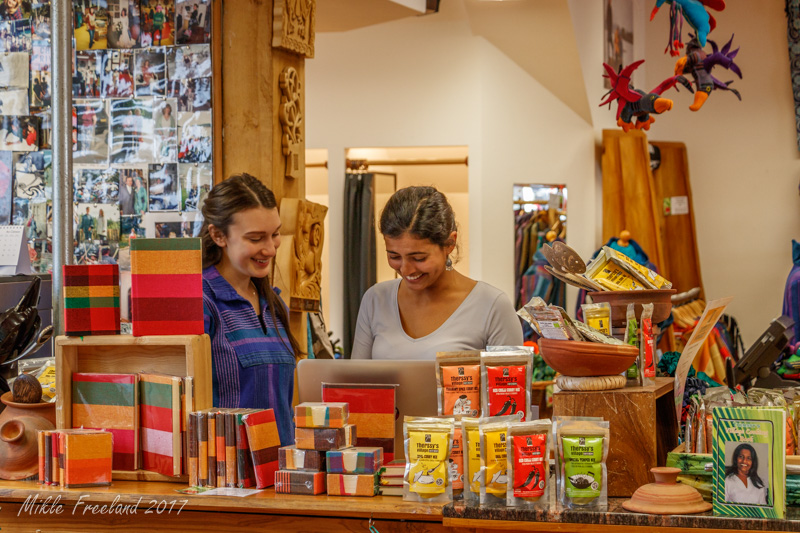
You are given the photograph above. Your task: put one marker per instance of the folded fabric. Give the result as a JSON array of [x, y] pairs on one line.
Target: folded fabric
[[321, 414], [352, 485], [325, 439], [295, 482], [291, 458], [359, 460]]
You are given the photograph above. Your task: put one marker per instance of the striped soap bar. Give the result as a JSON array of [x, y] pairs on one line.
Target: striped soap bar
[[325, 439], [91, 300], [321, 415], [372, 409], [109, 402], [87, 458], [358, 460], [264, 441], [294, 482], [352, 485], [290, 458], [166, 287], [160, 419]]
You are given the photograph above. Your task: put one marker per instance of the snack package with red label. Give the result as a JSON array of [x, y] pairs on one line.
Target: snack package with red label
[[507, 378], [647, 346], [528, 452]]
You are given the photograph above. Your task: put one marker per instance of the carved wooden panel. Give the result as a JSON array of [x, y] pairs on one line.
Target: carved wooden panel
[[291, 117], [300, 255], [293, 26]]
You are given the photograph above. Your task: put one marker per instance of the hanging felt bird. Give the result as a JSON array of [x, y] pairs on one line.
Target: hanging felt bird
[[700, 64], [635, 103], [695, 13]]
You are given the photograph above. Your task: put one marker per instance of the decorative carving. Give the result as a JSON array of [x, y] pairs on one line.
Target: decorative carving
[[307, 259], [291, 117], [293, 26]]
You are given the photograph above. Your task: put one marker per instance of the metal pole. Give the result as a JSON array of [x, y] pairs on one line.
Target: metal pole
[[61, 68]]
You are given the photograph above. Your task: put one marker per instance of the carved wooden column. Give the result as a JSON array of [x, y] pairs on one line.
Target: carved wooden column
[[261, 56]]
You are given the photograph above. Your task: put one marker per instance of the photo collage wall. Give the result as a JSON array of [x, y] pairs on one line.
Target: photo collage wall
[[141, 123]]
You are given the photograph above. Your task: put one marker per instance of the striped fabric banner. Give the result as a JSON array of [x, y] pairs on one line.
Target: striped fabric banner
[[87, 459], [160, 408], [264, 440], [109, 402], [91, 300], [166, 287], [372, 410], [360, 460]]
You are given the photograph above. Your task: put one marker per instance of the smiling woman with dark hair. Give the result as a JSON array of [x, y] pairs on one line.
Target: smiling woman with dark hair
[[742, 482]]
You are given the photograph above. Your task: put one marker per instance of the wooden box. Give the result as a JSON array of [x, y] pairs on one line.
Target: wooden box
[[643, 428], [178, 355]]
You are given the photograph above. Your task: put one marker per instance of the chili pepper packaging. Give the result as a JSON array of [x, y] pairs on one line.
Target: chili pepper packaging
[[528, 446], [458, 383], [583, 451], [506, 383], [428, 442]]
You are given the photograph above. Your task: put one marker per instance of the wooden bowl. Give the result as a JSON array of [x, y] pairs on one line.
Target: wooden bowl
[[578, 358], [619, 301]]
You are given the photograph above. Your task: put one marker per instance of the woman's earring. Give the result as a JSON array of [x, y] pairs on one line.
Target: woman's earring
[[448, 265]]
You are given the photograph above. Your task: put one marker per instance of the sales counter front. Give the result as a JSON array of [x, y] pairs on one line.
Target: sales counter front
[[156, 506]]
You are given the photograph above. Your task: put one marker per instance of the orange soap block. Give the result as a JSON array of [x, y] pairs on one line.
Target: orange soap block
[[352, 484]]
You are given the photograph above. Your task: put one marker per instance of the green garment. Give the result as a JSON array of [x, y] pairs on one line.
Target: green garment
[[140, 201], [158, 20]]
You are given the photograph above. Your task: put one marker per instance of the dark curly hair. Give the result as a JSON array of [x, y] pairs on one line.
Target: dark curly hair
[[731, 470], [423, 212]]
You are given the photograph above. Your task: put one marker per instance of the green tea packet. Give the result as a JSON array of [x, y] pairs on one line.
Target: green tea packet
[[583, 451]]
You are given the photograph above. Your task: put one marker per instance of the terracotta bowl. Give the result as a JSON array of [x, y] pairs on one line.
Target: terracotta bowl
[[578, 358], [619, 301], [666, 496]]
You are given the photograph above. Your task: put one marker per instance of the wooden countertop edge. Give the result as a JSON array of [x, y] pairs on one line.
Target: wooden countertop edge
[[267, 502], [573, 527]]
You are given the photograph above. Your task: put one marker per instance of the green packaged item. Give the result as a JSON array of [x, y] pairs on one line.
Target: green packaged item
[[583, 451]]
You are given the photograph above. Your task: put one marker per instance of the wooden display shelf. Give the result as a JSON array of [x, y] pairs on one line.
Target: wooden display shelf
[[177, 355], [643, 428]]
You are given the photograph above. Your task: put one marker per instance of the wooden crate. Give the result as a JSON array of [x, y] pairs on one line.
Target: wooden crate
[[643, 429], [178, 355]]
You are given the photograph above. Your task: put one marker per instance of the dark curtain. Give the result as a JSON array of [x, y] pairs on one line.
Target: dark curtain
[[360, 270]]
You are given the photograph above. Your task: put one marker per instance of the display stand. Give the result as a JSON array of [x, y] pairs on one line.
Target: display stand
[[643, 429], [177, 355]]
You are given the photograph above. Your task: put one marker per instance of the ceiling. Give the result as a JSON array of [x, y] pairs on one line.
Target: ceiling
[[537, 35]]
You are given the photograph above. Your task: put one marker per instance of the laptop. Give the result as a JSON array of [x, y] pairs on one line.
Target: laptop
[[416, 385]]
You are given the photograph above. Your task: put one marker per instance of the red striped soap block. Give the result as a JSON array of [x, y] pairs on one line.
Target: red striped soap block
[[91, 300]]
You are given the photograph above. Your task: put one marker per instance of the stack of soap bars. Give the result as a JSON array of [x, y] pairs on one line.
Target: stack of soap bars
[[75, 457]]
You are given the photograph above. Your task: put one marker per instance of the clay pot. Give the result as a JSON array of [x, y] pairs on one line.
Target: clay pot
[[578, 358], [19, 423], [666, 495], [619, 300]]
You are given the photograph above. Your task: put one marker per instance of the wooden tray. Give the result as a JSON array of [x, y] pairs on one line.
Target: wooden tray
[[178, 355]]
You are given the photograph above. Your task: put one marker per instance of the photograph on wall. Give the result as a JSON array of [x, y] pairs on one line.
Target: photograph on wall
[[14, 69], [196, 180], [42, 257], [150, 72], [132, 191], [15, 10], [97, 223], [33, 176], [15, 36], [195, 136], [131, 227], [37, 219], [91, 24], [19, 134], [191, 228], [163, 187], [158, 26], [40, 56], [97, 185], [45, 128], [187, 62], [19, 211], [193, 95], [123, 23], [40, 19], [90, 144], [86, 81], [14, 101], [192, 21], [6, 159], [131, 130], [40, 88], [119, 84], [165, 130], [617, 35], [168, 230]]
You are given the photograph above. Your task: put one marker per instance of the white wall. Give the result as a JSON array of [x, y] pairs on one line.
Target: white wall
[[427, 81]]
